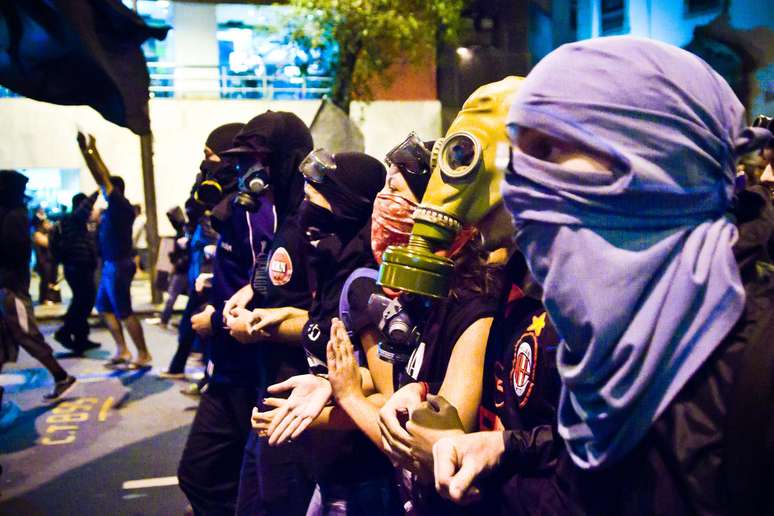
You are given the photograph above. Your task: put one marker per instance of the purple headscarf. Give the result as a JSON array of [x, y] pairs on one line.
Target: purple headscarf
[[636, 263]]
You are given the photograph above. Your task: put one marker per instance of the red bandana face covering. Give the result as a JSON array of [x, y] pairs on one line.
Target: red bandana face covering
[[391, 222]]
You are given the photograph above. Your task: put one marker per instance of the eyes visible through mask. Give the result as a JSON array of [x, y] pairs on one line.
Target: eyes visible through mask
[[541, 146]]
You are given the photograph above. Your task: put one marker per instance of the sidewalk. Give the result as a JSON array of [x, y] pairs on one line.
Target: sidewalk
[[141, 300]]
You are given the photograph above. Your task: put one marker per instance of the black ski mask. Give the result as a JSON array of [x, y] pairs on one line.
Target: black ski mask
[[350, 188]]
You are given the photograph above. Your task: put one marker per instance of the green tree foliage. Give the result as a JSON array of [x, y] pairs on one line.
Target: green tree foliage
[[372, 35]]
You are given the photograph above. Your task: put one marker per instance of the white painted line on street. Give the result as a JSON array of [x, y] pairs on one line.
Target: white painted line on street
[[150, 482]]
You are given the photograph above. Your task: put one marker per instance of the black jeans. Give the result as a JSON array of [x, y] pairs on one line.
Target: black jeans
[[186, 336], [84, 288], [275, 481], [212, 458]]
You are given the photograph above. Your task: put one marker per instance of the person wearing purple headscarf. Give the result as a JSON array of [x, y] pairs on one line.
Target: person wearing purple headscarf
[[620, 184]]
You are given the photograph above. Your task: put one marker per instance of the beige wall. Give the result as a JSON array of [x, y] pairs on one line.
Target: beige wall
[[36, 134]]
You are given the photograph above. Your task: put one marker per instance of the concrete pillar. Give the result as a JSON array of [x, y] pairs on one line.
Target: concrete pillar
[[195, 50]]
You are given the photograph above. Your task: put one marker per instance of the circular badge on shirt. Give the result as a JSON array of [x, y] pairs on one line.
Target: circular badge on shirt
[[280, 267], [523, 367]]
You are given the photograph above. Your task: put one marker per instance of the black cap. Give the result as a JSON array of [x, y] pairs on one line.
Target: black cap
[[270, 131], [222, 138]]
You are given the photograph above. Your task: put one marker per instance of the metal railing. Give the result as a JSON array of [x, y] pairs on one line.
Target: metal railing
[[168, 80]]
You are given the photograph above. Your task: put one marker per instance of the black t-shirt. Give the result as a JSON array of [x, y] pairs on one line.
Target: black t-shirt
[[328, 278], [521, 382], [448, 320], [115, 228], [343, 457]]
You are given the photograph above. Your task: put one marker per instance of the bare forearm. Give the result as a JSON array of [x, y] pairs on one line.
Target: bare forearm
[[96, 166], [291, 327], [363, 414]]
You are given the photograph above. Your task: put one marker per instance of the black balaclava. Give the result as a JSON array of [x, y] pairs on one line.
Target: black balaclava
[[287, 140], [12, 187], [350, 189], [219, 140]]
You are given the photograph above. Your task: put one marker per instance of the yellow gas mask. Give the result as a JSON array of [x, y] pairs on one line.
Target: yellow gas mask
[[464, 191]]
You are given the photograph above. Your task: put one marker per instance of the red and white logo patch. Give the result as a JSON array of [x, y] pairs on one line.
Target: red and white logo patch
[[280, 267], [523, 368]]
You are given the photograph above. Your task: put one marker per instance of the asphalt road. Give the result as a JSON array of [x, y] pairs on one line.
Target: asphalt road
[[111, 447]]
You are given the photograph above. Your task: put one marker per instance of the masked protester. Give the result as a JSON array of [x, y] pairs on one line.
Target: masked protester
[[198, 235], [351, 474], [17, 319], [211, 462], [620, 202]]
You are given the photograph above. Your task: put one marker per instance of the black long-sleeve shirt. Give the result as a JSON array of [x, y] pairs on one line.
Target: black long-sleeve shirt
[[78, 244]]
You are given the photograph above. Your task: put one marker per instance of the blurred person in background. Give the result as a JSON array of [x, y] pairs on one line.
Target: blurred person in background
[[45, 264], [114, 299], [180, 258], [18, 327], [75, 247], [140, 238]]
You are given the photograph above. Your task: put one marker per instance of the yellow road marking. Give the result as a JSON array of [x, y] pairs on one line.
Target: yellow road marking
[[104, 410]]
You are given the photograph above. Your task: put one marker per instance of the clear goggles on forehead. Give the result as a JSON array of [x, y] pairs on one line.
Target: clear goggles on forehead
[[460, 156], [410, 156], [316, 165]]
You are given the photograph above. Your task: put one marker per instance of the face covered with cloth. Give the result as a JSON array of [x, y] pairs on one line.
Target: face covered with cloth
[[619, 184]]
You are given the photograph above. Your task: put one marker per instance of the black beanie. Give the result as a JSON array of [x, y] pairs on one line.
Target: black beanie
[[222, 138], [361, 174]]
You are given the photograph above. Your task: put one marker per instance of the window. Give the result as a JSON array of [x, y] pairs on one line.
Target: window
[[260, 58], [612, 16]]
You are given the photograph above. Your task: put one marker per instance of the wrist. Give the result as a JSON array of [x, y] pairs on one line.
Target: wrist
[[349, 397]]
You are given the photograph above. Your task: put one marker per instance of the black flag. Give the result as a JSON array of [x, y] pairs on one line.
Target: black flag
[[78, 52]]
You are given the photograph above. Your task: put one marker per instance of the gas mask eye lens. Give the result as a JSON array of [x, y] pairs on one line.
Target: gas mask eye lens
[[460, 153], [460, 156], [410, 156]]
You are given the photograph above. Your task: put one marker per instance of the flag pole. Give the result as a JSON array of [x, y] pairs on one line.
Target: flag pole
[[149, 189]]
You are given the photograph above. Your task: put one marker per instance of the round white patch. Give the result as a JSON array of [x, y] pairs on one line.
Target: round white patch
[[522, 368], [280, 267]]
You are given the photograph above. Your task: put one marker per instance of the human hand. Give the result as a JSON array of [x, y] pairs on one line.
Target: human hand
[[203, 282], [210, 250], [309, 395], [460, 460], [85, 141], [430, 422], [396, 441], [260, 421], [343, 369], [202, 322], [265, 320], [239, 322], [239, 300]]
